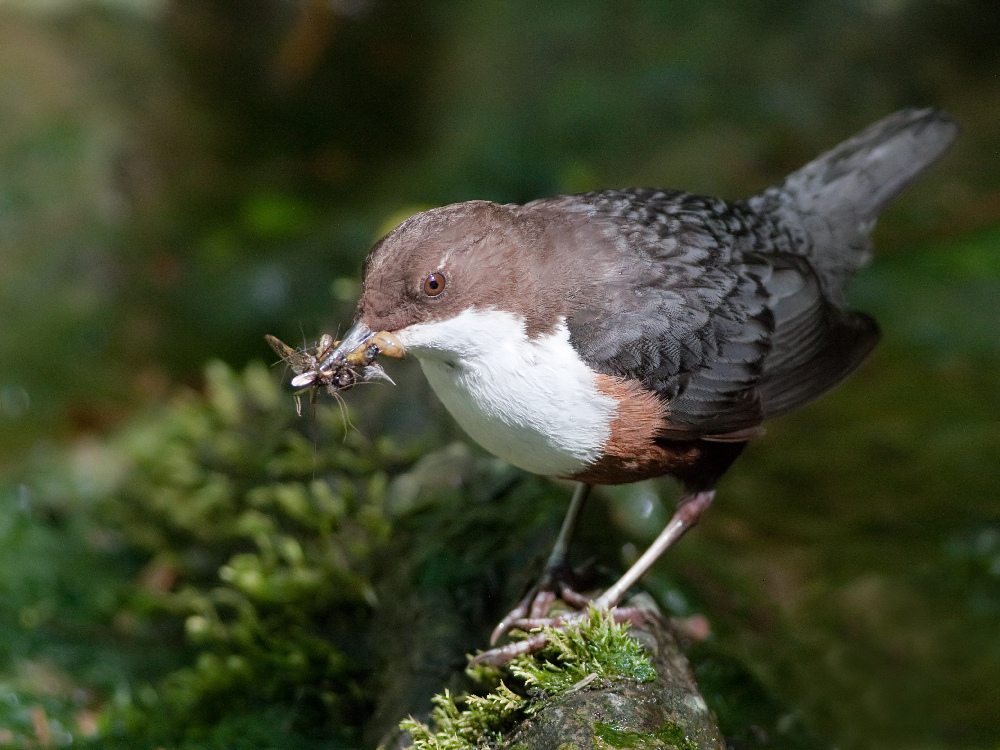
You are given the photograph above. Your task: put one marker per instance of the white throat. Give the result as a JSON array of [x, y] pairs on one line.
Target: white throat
[[532, 402]]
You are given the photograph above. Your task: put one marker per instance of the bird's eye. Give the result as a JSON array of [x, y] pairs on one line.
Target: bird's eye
[[434, 284]]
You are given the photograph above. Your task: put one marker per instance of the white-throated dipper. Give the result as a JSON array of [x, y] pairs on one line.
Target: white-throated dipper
[[618, 335]]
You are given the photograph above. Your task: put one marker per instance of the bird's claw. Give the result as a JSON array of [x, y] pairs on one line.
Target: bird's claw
[[632, 615], [537, 602], [537, 640], [497, 657], [529, 607]]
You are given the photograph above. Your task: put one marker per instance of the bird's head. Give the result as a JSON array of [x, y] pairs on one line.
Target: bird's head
[[451, 263]]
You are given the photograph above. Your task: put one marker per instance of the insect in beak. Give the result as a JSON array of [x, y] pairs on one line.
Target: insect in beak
[[338, 365]]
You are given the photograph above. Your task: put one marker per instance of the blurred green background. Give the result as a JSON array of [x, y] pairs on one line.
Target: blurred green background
[[178, 178]]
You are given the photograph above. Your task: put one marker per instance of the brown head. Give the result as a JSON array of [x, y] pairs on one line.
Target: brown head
[[483, 255]]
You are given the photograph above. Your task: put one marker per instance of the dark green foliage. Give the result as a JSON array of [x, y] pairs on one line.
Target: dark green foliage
[[264, 548], [750, 715], [265, 581]]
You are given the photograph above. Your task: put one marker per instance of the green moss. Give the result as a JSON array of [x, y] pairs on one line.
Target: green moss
[[261, 549], [599, 650], [670, 735], [479, 720], [591, 653]]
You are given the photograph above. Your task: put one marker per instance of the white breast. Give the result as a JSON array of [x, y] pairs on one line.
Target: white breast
[[532, 402]]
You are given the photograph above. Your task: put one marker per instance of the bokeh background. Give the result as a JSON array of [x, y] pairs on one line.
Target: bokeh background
[[180, 177]]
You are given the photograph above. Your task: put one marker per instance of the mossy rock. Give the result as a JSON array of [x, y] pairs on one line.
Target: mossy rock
[[595, 685], [665, 712]]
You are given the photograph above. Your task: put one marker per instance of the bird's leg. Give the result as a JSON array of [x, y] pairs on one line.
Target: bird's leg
[[689, 510], [539, 598]]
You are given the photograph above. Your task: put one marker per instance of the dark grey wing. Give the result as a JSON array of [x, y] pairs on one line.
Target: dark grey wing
[[814, 344], [726, 330], [735, 312]]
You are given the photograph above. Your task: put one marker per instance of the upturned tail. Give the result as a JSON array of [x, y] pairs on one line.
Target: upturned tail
[[834, 200]]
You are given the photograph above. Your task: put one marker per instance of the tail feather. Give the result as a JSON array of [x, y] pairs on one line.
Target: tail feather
[[834, 200]]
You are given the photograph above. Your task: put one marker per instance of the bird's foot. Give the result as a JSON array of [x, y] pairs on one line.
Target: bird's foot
[[532, 611], [539, 600], [537, 640]]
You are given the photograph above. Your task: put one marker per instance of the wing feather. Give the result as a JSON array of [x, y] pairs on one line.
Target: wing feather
[[728, 334]]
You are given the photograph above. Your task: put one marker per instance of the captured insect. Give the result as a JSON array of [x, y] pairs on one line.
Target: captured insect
[[323, 367]]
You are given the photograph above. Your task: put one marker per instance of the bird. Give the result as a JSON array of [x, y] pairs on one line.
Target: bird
[[614, 336]]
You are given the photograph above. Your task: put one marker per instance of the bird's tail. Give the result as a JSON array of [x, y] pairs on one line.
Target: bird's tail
[[835, 199]]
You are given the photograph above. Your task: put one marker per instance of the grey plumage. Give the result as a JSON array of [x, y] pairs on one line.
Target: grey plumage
[[832, 203], [734, 312]]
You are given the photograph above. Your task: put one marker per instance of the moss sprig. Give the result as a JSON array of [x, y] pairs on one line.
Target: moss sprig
[[479, 721], [598, 649], [590, 653]]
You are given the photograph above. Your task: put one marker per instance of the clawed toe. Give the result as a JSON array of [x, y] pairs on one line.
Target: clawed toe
[[534, 606], [537, 640], [497, 657], [537, 603], [539, 600]]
